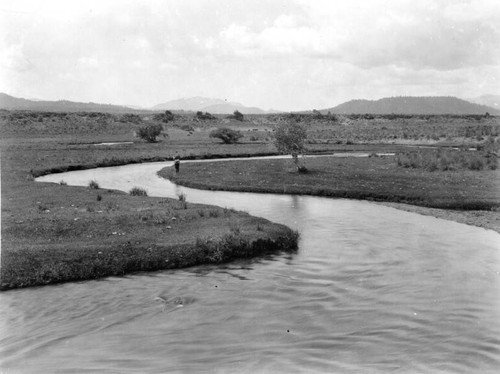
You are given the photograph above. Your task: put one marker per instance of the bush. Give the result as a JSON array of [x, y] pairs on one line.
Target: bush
[[93, 184], [204, 116], [164, 117], [227, 135], [130, 118], [237, 115], [150, 132], [316, 114], [137, 191], [188, 128]]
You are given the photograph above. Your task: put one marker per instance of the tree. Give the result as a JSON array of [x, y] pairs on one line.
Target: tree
[[289, 138], [150, 132], [164, 117], [227, 135], [237, 115]]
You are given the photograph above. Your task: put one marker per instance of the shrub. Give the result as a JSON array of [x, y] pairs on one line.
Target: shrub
[[227, 135], [188, 128], [150, 132], [316, 114], [204, 116], [164, 117], [237, 115], [93, 184], [63, 183], [138, 191], [131, 118]]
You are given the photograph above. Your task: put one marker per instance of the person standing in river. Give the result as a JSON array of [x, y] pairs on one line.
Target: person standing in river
[[177, 163]]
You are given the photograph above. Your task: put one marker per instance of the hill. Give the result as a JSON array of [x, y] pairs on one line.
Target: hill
[[412, 105], [204, 104], [13, 103], [488, 100]]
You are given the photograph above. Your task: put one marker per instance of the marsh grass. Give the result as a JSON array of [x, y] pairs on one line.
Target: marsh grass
[[93, 185], [138, 191], [444, 160]]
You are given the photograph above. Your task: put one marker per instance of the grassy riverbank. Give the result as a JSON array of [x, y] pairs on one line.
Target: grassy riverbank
[[56, 233], [380, 179]]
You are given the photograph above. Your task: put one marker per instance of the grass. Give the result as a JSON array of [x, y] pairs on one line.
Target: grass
[[138, 191], [374, 178], [442, 160], [93, 185], [54, 233]]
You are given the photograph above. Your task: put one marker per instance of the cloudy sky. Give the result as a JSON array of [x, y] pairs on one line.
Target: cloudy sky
[[282, 54]]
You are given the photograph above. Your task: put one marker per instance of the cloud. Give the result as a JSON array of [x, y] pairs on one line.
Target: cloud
[[287, 54], [376, 33]]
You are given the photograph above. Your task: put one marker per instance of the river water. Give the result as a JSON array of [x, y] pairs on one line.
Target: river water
[[371, 289]]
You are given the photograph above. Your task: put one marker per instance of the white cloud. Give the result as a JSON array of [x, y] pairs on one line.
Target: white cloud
[[271, 53]]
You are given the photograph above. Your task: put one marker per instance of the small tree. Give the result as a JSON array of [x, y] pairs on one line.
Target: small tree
[[227, 135], [289, 138], [169, 116], [164, 117], [150, 132], [237, 115]]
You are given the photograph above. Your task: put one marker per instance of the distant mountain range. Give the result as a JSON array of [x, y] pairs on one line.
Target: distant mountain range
[[14, 103], [205, 104], [214, 106], [390, 105], [412, 105]]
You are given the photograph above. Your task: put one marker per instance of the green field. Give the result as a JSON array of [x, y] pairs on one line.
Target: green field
[[55, 233]]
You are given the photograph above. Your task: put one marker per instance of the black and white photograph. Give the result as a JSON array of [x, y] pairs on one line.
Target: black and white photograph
[[250, 186]]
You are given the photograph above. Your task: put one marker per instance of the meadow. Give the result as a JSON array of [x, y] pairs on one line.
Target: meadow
[[54, 233]]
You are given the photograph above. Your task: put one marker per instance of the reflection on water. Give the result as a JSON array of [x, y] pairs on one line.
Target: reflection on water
[[371, 289]]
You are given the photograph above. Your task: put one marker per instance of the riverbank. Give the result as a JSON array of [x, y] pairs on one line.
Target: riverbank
[[54, 233], [470, 197]]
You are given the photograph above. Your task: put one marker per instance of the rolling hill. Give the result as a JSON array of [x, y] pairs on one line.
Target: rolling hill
[[412, 105], [204, 104], [13, 103]]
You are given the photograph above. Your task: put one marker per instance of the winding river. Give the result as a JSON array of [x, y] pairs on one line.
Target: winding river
[[371, 289]]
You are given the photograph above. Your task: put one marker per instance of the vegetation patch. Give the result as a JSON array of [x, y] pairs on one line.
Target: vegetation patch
[[444, 159], [227, 135], [370, 178], [138, 191]]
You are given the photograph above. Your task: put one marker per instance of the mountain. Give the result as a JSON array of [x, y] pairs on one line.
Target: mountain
[[488, 100], [412, 105], [13, 103], [204, 104]]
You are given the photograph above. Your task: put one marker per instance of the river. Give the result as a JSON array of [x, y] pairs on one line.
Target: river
[[371, 289]]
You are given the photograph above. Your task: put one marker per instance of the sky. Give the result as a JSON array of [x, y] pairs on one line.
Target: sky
[[280, 54]]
